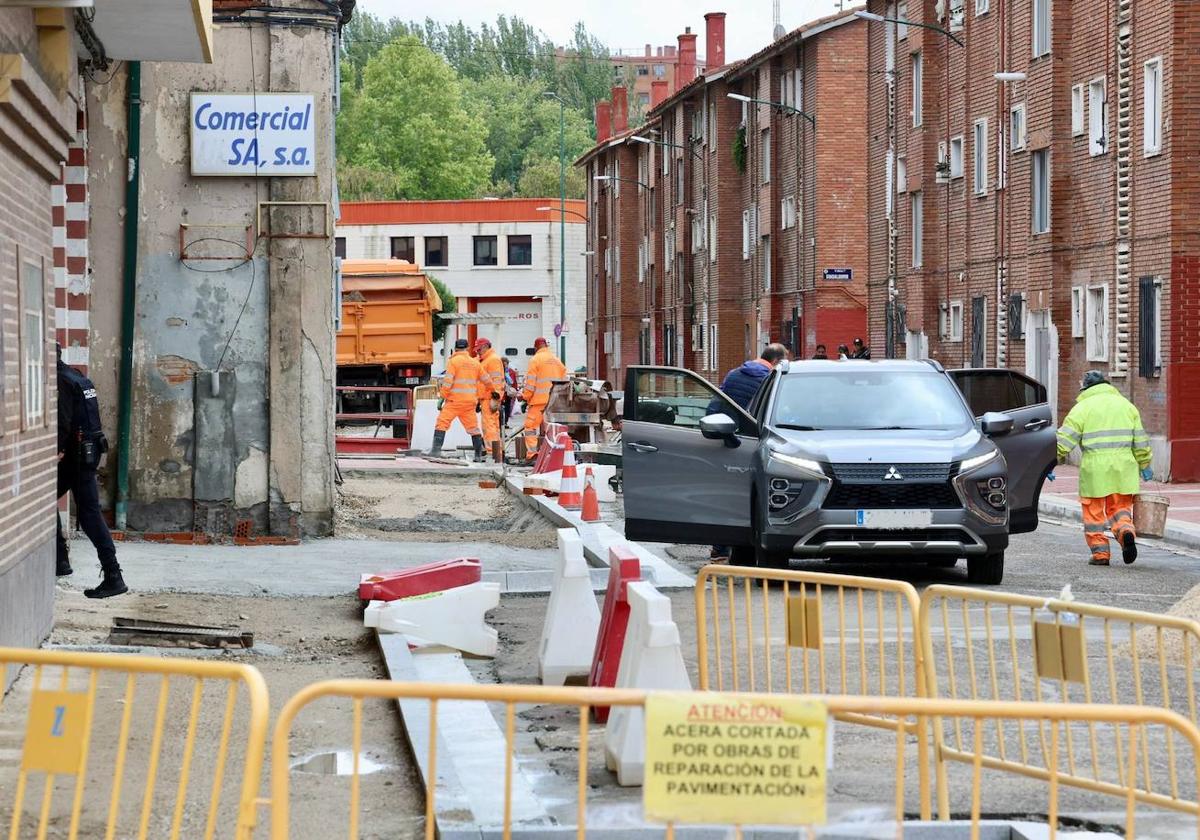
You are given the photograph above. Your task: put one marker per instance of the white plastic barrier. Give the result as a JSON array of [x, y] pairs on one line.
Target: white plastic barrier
[[572, 617], [651, 659], [371, 613], [425, 414], [452, 617]]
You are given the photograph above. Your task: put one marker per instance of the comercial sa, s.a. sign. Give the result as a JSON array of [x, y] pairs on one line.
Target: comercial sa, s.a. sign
[[247, 134]]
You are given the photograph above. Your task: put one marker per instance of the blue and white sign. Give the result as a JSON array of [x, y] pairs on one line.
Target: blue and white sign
[[839, 274], [250, 134]]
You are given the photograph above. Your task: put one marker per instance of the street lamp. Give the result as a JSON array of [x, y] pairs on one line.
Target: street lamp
[[1009, 77], [865, 15], [562, 223], [781, 106], [649, 142], [626, 180], [560, 210]]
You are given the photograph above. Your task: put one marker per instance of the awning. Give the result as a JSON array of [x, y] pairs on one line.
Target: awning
[[156, 30]]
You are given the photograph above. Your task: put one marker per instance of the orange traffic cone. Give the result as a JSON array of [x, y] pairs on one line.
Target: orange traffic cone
[[570, 489], [591, 502]]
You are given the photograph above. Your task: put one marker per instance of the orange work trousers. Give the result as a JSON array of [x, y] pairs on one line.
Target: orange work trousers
[[533, 427], [1102, 513], [465, 412], [491, 424]]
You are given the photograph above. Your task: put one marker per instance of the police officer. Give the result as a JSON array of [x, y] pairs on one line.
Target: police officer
[[80, 445]]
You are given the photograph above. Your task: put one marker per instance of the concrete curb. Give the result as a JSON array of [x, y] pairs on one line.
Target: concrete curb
[[1185, 537]]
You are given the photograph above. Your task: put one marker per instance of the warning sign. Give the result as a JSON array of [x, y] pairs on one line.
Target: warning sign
[[724, 759]]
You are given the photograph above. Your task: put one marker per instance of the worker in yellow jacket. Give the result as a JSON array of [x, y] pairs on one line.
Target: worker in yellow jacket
[[491, 390], [544, 368], [460, 399], [1108, 429]]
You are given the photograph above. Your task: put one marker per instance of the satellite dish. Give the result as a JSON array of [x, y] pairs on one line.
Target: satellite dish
[[779, 31]]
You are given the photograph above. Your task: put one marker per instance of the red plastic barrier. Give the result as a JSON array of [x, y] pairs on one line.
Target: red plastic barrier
[[623, 569], [550, 456], [420, 580]]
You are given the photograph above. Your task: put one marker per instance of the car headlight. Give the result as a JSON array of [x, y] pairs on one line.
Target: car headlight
[[807, 465], [978, 461]]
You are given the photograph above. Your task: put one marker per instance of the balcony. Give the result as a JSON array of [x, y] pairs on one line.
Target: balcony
[[155, 30]]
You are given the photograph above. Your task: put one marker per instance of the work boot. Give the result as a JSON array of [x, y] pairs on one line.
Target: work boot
[[112, 584], [63, 567], [1128, 547], [438, 439], [477, 442]]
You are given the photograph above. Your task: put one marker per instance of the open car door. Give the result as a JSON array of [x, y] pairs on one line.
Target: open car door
[[680, 486], [1029, 448]]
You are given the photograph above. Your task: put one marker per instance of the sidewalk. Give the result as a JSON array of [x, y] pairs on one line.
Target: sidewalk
[[1060, 499]]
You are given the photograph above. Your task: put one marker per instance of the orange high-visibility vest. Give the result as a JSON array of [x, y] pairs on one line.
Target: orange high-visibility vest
[[544, 368], [461, 382]]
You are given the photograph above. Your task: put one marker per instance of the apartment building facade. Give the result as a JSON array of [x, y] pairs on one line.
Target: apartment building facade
[[638, 72], [720, 224], [501, 258], [1029, 205]]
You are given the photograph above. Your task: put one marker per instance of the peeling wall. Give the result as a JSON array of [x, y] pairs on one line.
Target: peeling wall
[[261, 447]]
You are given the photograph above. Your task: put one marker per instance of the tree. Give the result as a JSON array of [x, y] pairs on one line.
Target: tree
[[408, 122], [449, 304], [540, 179]]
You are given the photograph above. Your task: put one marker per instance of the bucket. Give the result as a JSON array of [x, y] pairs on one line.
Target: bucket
[[1150, 514]]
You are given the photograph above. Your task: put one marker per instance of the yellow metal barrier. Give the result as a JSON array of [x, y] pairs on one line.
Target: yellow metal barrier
[[983, 644], [1138, 727], [173, 745]]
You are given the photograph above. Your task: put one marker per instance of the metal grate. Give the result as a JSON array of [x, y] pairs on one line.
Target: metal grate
[[892, 495], [870, 473]]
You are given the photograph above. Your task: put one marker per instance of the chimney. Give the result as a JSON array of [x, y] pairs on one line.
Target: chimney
[[685, 71], [714, 23], [649, 51], [620, 110], [603, 121], [658, 92]]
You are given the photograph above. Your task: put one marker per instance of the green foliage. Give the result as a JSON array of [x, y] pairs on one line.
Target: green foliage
[[739, 149], [408, 122], [540, 179], [449, 304]]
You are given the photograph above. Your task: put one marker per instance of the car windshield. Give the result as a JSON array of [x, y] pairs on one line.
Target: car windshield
[[869, 399]]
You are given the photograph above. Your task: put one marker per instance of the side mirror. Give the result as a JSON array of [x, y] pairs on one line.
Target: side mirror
[[719, 427], [996, 424]]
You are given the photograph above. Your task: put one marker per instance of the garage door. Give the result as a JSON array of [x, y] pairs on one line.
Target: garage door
[[514, 338]]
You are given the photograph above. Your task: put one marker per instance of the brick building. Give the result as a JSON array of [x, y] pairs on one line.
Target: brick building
[[720, 225], [1041, 219], [638, 71]]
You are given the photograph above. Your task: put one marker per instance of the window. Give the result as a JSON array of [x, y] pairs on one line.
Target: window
[[642, 260], [766, 156], [1040, 189], [1097, 118], [713, 356], [1097, 323], [698, 125], [402, 248], [485, 250], [956, 157], [981, 7], [660, 70], [1078, 329], [679, 184], [1016, 317], [1041, 27], [980, 151], [941, 171], [854, 399], [1150, 327], [437, 251], [520, 250], [1016, 127], [643, 70], [916, 89], [901, 174], [1152, 106], [918, 228], [786, 97], [1077, 122], [902, 28], [745, 234], [766, 263], [798, 89], [33, 341], [644, 100], [674, 398], [697, 234], [339, 246], [712, 238], [787, 212], [956, 15], [954, 323]]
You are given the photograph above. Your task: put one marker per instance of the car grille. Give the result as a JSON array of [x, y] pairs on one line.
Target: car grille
[[870, 473], [829, 535], [892, 495]]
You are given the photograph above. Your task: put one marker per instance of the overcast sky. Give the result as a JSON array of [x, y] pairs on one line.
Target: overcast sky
[[622, 24]]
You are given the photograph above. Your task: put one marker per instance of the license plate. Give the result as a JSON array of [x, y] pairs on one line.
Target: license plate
[[412, 380], [895, 518]]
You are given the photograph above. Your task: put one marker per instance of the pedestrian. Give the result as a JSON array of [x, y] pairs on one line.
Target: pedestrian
[[861, 351], [1116, 449], [544, 368], [821, 353], [510, 390], [843, 351], [460, 398], [741, 385], [81, 444], [491, 389]]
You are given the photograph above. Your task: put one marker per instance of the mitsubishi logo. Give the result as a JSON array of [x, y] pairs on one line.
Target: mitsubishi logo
[[892, 474]]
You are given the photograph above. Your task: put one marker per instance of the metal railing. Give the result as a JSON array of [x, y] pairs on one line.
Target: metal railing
[[186, 780]]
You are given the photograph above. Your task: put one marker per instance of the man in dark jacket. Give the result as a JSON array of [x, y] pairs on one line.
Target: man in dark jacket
[[740, 385], [80, 445], [861, 351]]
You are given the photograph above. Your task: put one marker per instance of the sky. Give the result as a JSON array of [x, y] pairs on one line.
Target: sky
[[625, 25]]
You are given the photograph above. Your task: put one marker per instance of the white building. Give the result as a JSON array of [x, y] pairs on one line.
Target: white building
[[499, 257]]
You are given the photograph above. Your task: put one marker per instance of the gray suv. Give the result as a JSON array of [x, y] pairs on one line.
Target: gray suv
[[840, 459]]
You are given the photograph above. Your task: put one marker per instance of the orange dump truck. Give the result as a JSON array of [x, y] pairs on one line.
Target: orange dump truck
[[386, 339]]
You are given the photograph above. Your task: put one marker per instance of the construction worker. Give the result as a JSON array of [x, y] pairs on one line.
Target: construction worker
[[460, 398], [1108, 429], [543, 369], [491, 390]]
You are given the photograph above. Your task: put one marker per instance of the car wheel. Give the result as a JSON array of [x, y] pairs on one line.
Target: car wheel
[[987, 570], [942, 563]]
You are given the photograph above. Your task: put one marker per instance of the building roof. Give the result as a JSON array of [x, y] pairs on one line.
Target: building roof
[[615, 140], [462, 211]]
